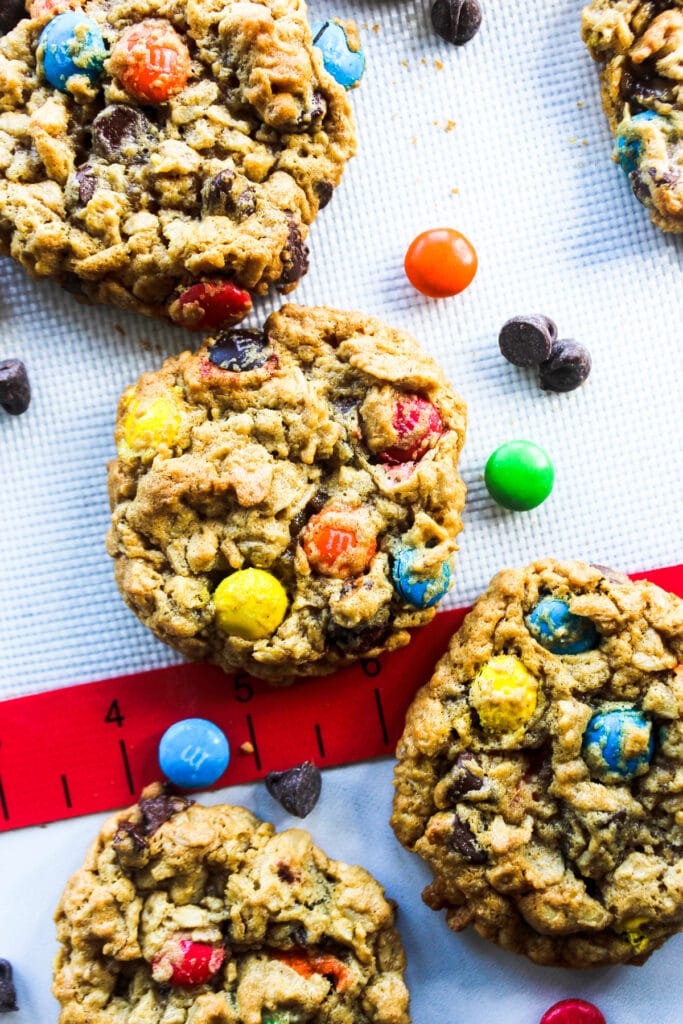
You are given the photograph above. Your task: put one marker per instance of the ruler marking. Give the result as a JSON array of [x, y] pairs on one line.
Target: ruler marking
[[67, 794], [380, 715], [126, 765], [3, 802], [254, 744], [319, 737]]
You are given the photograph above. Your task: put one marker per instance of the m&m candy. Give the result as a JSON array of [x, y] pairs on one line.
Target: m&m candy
[[418, 427], [209, 304], [629, 142], [71, 44], [519, 475], [504, 694], [147, 428], [440, 262], [184, 962], [618, 744], [632, 931], [572, 1011], [413, 587], [558, 630], [340, 540], [193, 753], [239, 350], [151, 61], [341, 60], [251, 604]]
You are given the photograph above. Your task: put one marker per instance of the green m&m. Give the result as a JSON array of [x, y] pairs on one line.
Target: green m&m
[[519, 475]]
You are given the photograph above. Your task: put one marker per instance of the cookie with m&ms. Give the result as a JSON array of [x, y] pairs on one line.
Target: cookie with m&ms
[[167, 158], [287, 500], [540, 768], [639, 46], [188, 913]]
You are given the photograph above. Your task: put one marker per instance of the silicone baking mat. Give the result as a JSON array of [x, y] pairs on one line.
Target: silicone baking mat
[[503, 139]]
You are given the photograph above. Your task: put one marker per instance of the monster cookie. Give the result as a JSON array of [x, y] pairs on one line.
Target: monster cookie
[[287, 500], [639, 44], [206, 915], [167, 157], [540, 770]]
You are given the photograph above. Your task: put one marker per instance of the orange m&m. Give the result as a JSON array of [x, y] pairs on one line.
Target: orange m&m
[[151, 61], [340, 540], [440, 262]]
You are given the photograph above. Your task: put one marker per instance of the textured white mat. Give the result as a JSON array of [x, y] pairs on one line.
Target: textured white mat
[[503, 139]]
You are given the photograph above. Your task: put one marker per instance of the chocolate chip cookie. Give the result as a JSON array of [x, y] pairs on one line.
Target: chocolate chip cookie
[[206, 915], [167, 157], [287, 500], [639, 44], [540, 769]]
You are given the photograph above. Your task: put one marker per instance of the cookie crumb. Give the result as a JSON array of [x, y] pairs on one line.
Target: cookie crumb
[[247, 748]]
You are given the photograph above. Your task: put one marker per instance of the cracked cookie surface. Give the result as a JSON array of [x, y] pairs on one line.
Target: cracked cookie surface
[[639, 44], [206, 915], [132, 192], [543, 787], [285, 501]]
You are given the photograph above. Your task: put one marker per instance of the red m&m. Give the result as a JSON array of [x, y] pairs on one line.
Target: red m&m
[[572, 1011], [185, 962], [210, 304]]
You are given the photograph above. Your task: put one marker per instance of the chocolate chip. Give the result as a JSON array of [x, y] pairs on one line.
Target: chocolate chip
[[8, 993], [463, 780], [87, 183], [323, 190], [568, 366], [284, 872], [358, 639], [158, 809], [217, 192], [456, 21], [297, 789], [245, 204], [464, 843], [294, 256], [15, 390], [527, 340], [11, 13], [239, 350], [127, 830], [640, 85], [122, 133]]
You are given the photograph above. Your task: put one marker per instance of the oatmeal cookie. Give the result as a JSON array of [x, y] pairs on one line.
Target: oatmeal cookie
[[639, 44], [166, 155], [287, 500], [540, 769], [206, 915]]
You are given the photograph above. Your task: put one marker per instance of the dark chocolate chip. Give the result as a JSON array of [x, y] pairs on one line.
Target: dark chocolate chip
[[568, 366], [294, 256], [11, 13], [87, 183], [456, 21], [463, 780], [323, 190], [297, 789], [464, 843], [239, 349], [15, 390], [158, 809], [641, 85], [300, 935], [527, 340], [245, 204], [8, 993], [128, 830], [217, 192], [285, 873], [122, 133], [358, 639]]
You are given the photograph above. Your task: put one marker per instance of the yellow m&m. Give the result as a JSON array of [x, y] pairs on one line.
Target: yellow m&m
[[504, 694], [250, 604], [149, 428], [633, 932]]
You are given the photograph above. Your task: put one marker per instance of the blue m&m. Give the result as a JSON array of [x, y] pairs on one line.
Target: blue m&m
[[416, 590], [618, 744], [71, 44], [344, 64], [193, 753], [559, 630], [628, 142]]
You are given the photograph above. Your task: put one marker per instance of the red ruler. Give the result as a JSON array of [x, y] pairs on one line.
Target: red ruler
[[93, 747]]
